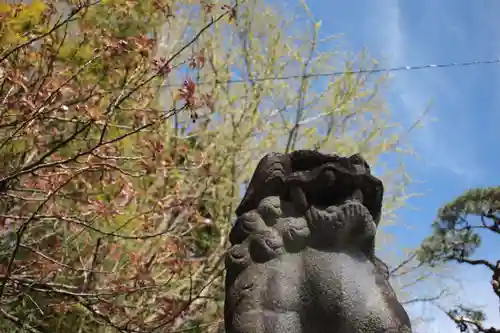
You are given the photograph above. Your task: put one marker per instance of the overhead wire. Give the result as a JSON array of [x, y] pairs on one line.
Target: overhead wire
[[348, 72]]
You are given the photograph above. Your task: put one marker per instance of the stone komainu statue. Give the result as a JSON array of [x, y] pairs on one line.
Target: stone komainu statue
[[302, 257]]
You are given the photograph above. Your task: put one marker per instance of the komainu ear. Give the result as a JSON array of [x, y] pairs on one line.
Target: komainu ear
[[267, 180]]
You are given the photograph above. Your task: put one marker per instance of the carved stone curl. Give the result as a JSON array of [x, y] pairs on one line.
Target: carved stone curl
[[302, 258]]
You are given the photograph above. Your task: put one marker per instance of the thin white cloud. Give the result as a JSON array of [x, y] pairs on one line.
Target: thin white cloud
[[414, 91]]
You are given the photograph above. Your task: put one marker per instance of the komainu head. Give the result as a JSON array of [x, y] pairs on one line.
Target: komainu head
[[306, 199]]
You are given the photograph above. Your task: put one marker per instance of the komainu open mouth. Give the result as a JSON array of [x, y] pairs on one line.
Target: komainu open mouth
[[331, 185]]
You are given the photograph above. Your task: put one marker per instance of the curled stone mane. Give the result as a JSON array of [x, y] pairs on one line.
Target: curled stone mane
[[304, 217]]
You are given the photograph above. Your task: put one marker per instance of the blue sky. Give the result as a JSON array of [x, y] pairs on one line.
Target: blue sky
[[458, 150]]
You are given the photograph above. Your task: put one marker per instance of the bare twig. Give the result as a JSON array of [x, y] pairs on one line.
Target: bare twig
[[21, 324]]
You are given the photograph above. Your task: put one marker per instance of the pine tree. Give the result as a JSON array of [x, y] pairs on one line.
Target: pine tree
[[456, 236]]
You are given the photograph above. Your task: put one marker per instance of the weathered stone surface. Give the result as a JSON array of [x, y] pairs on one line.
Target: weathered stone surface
[[302, 258]]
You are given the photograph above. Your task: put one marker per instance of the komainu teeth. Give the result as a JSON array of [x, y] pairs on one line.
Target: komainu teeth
[[357, 195]]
